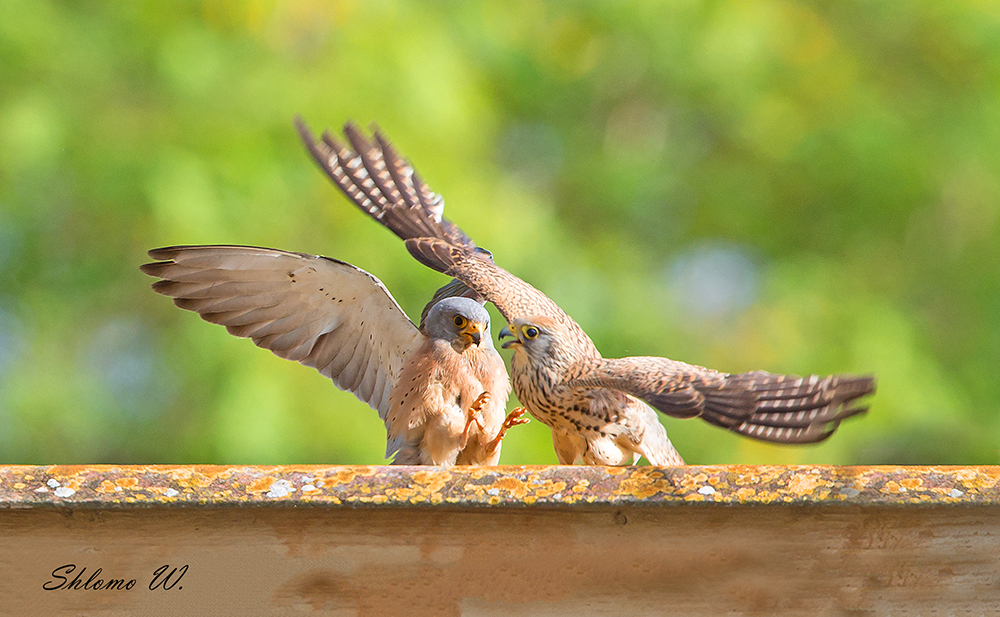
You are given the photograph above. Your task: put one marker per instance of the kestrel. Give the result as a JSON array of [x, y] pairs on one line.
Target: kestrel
[[600, 410], [441, 389]]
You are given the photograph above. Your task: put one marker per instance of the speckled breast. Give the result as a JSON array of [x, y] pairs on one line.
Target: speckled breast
[[533, 389]]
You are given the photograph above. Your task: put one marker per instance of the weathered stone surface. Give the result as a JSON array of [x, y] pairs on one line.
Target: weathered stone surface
[[525, 486]]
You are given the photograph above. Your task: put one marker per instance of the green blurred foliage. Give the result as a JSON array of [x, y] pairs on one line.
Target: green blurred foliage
[[804, 187]]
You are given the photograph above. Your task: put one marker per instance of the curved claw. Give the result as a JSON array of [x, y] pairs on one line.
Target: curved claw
[[515, 417], [472, 416]]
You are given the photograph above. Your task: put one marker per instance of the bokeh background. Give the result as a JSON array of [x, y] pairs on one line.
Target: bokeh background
[[804, 187]]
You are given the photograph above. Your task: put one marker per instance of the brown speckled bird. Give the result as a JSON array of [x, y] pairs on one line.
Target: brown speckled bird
[[600, 410], [441, 389]]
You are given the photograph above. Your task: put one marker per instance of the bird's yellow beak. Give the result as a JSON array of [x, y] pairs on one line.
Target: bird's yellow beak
[[505, 332], [474, 331]]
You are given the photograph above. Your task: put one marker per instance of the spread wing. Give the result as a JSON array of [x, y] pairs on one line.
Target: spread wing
[[318, 311], [765, 406], [386, 187], [383, 184]]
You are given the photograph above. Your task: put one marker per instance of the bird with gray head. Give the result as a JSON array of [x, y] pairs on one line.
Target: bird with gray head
[[441, 389], [600, 409], [461, 321]]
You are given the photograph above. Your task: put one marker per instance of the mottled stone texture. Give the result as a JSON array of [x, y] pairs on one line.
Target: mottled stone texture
[[498, 487]]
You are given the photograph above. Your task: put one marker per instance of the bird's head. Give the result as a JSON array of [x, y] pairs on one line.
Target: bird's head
[[535, 335], [460, 321]]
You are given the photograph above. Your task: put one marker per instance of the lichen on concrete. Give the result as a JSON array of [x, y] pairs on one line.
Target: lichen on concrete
[[106, 486]]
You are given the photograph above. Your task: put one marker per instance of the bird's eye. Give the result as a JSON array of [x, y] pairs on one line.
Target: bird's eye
[[530, 332], [460, 321]]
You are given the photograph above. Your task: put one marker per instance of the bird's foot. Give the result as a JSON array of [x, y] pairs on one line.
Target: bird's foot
[[515, 417], [472, 416], [478, 404]]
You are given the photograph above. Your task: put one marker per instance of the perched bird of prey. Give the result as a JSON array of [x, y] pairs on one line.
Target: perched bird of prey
[[600, 410], [441, 389]]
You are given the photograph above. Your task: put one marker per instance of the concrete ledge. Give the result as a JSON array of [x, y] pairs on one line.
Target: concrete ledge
[[494, 487], [512, 541]]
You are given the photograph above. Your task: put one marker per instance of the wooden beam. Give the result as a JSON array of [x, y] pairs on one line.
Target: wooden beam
[[503, 540]]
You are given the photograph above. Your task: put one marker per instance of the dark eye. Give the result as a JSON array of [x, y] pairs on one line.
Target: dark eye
[[530, 332], [460, 321]]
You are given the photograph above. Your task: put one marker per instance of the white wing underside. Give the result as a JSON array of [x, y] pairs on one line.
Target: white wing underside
[[318, 311]]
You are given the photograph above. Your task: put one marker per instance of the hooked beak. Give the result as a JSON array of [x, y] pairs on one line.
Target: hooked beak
[[474, 331], [504, 333]]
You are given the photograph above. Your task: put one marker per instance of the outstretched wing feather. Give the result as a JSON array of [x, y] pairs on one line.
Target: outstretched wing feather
[[766, 406], [318, 311]]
